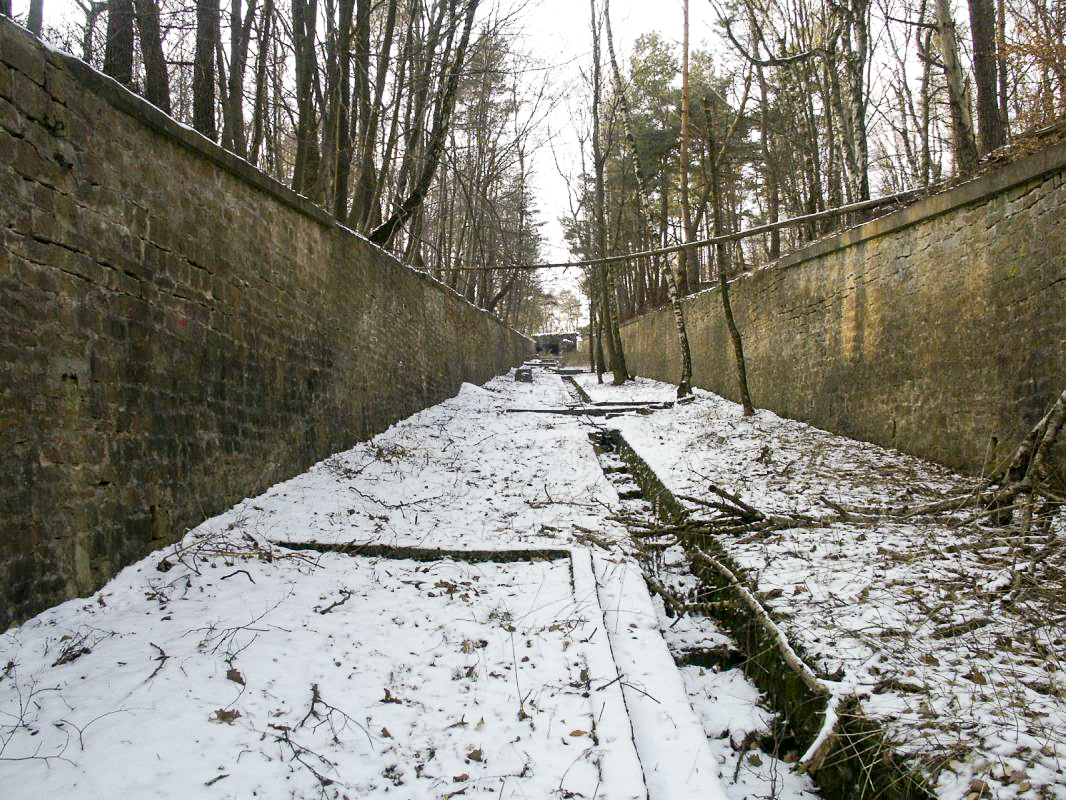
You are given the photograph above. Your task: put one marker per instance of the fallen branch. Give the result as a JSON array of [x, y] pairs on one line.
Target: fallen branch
[[805, 673]]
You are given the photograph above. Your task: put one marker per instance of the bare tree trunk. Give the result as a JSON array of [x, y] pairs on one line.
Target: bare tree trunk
[[722, 251], [240, 36], [1001, 65], [203, 78], [156, 83], [343, 158], [35, 18], [684, 384], [385, 232], [259, 110], [769, 167], [597, 361], [856, 54], [305, 165], [926, 119], [608, 292], [118, 51], [983, 30], [958, 96], [5, 8], [93, 9], [688, 265], [335, 124]]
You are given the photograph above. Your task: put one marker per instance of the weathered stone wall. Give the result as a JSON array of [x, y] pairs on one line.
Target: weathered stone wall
[[939, 329], [178, 331]]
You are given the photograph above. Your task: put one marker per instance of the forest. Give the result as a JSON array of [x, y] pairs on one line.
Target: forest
[[415, 122]]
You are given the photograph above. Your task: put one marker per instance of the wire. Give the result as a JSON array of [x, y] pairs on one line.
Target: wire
[[891, 199]]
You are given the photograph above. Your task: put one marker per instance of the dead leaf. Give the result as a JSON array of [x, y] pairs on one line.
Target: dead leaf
[[480, 724], [460, 778], [579, 732], [976, 677], [389, 698], [222, 715], [234, 675], [754, 760], [475, 755], [385, 733]]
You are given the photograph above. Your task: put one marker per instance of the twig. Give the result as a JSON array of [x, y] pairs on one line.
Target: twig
[[162, 659], [347, 594], [237, 572]]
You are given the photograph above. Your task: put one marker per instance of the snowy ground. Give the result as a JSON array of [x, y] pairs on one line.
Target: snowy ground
[[242, 663], [949, 632]]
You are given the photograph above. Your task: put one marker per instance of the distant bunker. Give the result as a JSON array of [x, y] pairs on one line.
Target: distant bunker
[[556, 343]]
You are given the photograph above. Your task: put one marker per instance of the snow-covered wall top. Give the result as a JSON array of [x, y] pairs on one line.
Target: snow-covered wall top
[[179, 330], [939, 329]]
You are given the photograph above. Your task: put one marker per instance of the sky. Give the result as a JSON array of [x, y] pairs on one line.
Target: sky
[[557, 33]]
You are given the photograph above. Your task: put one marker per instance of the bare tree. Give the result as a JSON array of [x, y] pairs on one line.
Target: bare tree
[[384, 233], [684, 384], [92, 9], [156, 82], [203, 79], [118, 51], [958, 93], [722, 251], [304, 24], [35, 18], [608, 293], [983, 30]]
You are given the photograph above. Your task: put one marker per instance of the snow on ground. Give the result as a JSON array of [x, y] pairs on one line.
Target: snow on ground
[[464, 473], [951, 633], [241, 663], [413, 684], [638, 390]]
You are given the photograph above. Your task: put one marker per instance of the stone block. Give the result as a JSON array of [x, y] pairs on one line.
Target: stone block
[[10, 119], [523, 375], [30, 98], [23, 53]]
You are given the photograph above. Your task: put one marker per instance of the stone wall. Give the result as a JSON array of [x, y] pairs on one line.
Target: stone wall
[[939, 330], [178, 331]]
